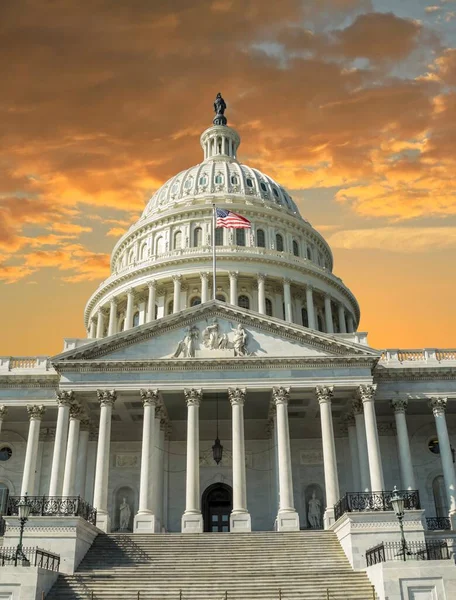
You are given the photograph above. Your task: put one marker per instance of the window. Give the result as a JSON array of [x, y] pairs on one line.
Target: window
[[434, 446], [4, 492], [309, 253], [276, 193], [260, 238], [175, 188], [160, 244], [122, 325], [295, 248], [219, 236], [268, 305], [156, 311], [5, 453], [304, 317], [131, 257], [234, 180], [279, 242], [243, 301], [178, 240], [136, 319], [440, 497], [320, 323], [219, 179], [195, 301], [170, 307], [188, 183], [240, 237], [198, 237], [203, 180], [249, 182], [263, 186], [143, 251], [220, 297]]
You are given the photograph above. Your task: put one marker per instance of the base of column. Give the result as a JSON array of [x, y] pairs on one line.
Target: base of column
[[329, 518], [287, 520], [240, 521], [146, 522], [192, 523], [103, 521]]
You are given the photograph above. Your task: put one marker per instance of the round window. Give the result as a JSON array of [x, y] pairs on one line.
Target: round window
[[434, 446], [5, 453]]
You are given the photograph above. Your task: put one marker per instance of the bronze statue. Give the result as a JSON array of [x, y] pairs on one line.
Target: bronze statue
[[219, 109]]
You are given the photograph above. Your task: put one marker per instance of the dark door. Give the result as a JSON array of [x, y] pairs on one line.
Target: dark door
[[217, 505]]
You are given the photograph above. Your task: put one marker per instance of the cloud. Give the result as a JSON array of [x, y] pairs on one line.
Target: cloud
[[395, 239]]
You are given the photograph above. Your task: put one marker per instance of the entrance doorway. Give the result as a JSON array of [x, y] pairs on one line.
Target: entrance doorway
[[217, 503]]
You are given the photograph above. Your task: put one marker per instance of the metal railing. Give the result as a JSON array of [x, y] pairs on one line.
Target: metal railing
[[377, 501], [35, 556], [438, 523], [51, 506], [388, 551]]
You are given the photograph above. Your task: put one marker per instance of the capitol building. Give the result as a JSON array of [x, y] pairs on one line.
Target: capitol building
[[247, 402]]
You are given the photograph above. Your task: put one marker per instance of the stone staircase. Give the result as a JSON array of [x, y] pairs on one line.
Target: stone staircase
[[245, 566]]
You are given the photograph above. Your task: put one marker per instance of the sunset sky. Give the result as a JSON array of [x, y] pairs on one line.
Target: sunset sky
[[350, 104]]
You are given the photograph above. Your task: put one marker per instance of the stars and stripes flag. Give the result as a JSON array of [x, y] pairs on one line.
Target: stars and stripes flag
[[226, 218]]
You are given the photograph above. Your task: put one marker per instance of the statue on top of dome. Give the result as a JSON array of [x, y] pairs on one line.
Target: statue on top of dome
[[219, 109]]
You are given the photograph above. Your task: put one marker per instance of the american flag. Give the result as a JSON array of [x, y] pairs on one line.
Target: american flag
[[226, 218]]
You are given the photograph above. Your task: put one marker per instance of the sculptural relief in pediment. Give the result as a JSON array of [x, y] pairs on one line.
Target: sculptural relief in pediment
[[213, 341]]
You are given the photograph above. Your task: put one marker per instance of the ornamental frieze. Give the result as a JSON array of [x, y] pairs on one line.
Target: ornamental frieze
[[213, 341]]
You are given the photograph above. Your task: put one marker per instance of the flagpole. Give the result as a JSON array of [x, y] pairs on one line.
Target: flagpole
[[214, 287]]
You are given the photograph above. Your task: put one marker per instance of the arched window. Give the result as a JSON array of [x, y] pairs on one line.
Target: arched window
[[295, 248], [220, 297], [197, 237], [136, 319], [249, 182], [260, 238], [309, 253], [195, 301], [320, 323], [170, 307], [122, 325], [218, 179], [178, 240], [234, 180], [304, 317], [268, 305], [156, 311], [160, 245], [4, 490], [143, 251], [440, 497], [240, 237], [219, 236], [131, 257], [243, 301], [279, 242]]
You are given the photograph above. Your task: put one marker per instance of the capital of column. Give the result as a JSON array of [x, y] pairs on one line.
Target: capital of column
[[106, 397], [3, 411], [152, 284], [357, 406], [399, 405], [65, 397], [177, 278], [261, 277], [76, 411], [233, 274], [286, 281], [36, 411], [438, 405], [130, 292], [280, 395], [237, 396], [193, 396], [366, 393], [309, 287], [149, 397], [204, 275], [324, 393], [113, 302]]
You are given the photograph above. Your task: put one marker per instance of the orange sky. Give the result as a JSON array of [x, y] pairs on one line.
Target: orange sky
[[350, 104]]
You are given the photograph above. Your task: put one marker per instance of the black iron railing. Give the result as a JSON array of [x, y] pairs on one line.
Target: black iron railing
[[51, 506], [387, 551], [378, 501], [34, 556], [438, 523]]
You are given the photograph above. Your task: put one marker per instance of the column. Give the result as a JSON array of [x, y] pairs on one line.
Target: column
[[156, 492], [192, 520], [310, 306], [354, 453], [161, 473], [92, 328], [107, 399], [233, 287], [287, 517], [150, 316], [145, 518], [3, 413], [342, 324], [177, 280], [328, 314], [358, 412], [64, 401], [112, 325], [35, 412], [367, 394], [81, 464], [350, 323], [240, 517], [261, 294], [129, 312], [324, 396], [399, 405], [438, 406], [100, 323], [69, 479], [204, 287], [287, 300]]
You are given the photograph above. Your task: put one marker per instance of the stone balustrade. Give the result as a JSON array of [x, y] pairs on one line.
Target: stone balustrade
[[427, 355], [13, 363]]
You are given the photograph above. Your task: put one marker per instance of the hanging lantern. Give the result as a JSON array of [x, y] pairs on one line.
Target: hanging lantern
[[217, 448]]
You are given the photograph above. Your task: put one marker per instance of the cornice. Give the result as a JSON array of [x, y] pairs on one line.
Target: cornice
[[414, 374], [21, 381]]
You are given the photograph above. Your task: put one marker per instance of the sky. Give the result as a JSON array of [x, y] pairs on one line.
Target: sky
[[350, 104]]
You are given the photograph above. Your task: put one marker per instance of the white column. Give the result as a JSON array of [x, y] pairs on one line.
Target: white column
[[152, 285], [3, 413], [240, 517], [112, 325], [107, 399], [324, 395], [350, 324], [261, 294], [69, 479], [367, 394], [438, 406], [192, 520], [92, 328], [100, 323], [145, 518], [342, 324], [156, 492], [35, 413], [287, 517], [357, 406], [287, 300], [129, 313], [204, 287], [177, 280], [64, 400], [81, 464], [354, 453], [160, 482], [310, 306], [233, 287], [328, 314], [399, 406]]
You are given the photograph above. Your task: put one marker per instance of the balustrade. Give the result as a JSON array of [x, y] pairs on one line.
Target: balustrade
[[376, 501], [51, 506]]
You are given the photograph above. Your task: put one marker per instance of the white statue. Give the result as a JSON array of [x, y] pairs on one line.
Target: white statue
[[124, 515], [314, 513], [240, 341], [213, 339], [187, 345]]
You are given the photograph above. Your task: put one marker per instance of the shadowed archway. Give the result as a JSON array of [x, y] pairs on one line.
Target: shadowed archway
[[217, 503]]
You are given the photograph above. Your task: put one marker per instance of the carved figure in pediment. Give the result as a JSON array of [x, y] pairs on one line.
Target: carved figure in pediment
[[186, 347], [240, 341], [213, 339]]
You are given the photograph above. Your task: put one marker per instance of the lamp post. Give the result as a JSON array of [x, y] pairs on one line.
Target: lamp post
[[398, 501], [24, 513]]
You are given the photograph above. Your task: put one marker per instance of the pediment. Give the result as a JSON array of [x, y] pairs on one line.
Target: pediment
[[216, 330]]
